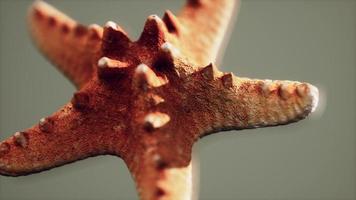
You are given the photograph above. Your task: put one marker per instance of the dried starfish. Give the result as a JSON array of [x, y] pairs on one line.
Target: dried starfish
[[147, 101]]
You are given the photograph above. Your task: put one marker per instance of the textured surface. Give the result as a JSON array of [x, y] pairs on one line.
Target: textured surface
[[146, 101]]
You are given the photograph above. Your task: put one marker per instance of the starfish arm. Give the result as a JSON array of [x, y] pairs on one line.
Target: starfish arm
[[242, 103], [66, 136], [204, 24], [70, 46], [156, 180], [159, 151]]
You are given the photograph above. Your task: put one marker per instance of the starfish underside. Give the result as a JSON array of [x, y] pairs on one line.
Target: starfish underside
[[147, 101]]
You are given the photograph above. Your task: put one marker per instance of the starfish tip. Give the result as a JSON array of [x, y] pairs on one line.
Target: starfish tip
[[314, 95]]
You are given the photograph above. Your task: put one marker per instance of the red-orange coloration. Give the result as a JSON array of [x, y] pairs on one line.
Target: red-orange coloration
[[147, 101]]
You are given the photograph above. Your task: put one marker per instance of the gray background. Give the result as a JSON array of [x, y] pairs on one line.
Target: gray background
[[306, 40]]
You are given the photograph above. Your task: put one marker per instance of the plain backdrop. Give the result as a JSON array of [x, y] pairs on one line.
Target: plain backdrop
[[305, 40]]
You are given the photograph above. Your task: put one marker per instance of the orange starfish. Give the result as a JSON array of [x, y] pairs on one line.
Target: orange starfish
[[147, 101]]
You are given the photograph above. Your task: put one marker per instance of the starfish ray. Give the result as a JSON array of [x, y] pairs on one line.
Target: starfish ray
[[147, 101]]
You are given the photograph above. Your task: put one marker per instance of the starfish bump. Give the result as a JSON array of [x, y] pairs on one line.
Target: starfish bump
[[147, 101]]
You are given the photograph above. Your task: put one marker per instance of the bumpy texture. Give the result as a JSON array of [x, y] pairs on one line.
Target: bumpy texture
[[147, 101]]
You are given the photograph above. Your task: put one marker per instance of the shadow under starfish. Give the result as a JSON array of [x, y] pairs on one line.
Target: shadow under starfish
[[147, 101]]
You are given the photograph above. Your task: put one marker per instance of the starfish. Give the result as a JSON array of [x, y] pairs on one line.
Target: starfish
[[147, 101]]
